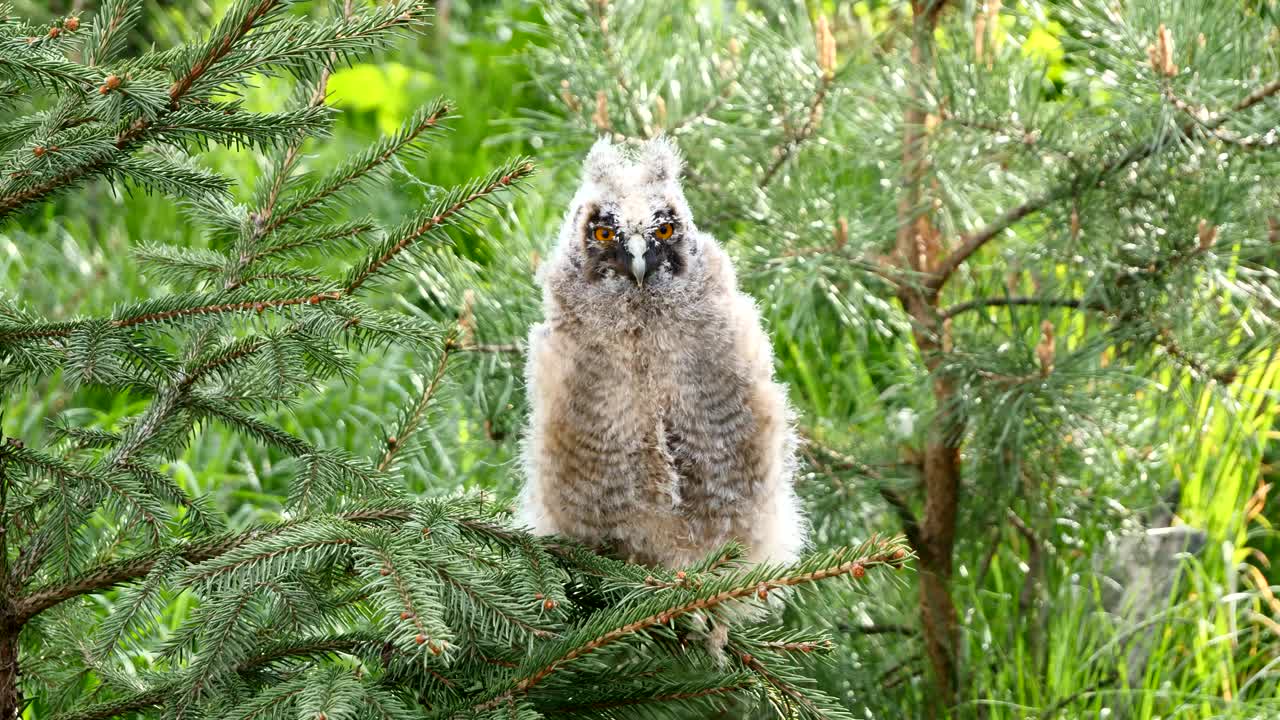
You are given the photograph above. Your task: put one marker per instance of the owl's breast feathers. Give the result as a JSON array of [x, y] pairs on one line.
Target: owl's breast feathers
[[665, 438]]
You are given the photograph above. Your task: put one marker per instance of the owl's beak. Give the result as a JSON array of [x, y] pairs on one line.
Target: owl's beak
[[636, 249]]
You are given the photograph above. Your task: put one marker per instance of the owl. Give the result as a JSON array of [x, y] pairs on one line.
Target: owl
[[656, 427]]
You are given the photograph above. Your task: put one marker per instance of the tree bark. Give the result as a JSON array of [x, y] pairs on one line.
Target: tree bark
[[10, 697], [918, 252]]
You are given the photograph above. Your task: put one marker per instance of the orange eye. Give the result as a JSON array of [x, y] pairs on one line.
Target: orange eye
[[603, 234], [664, 231]]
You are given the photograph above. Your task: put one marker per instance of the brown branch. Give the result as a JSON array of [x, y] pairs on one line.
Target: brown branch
[[1202, 118], [793, 140], [477, 599], [888, 556], [396, 442], [110, 29], [1166, 340], [157, 696], [781, 685], [906, 516], [979, 303], [436, 220], [878, 629], [411, 611], [974, 241], [263, 215], [691, 695], [4, 519], [126, 570], [910, 524], [427, 123], [219, 308], [194, 376], [183, 84]]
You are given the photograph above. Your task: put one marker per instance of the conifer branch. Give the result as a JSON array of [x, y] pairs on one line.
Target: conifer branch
[[1034, 301], [974, 241], [4, 518], [790, 692], [794, 140], [653, 699], [161, 695], [889, 553], [238, 22], [500, 179], [108, 32], [343, 177], [127, 570], [219, 49], [411, 422], [453, 207]]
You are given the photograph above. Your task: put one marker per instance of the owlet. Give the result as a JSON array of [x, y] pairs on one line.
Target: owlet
[[656, 425]]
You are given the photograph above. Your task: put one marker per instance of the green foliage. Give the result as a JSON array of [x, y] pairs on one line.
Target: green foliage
[[127, 589], [1090, 279]]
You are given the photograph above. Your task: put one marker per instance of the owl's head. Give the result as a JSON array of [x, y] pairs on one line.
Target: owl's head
[[629, 229]]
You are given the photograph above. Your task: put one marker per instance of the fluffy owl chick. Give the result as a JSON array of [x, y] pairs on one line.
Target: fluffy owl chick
[[656, 425]]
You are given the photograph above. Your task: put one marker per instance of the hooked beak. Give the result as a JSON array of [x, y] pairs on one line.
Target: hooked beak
[[636, 249]]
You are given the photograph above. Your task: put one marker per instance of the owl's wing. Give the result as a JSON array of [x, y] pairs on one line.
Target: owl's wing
[[541, 370]]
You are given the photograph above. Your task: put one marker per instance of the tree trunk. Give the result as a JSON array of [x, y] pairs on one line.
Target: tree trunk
[[918, 252], [10, 698], [937, 540]]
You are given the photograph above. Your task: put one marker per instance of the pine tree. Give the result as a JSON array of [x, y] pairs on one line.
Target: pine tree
[[1008, 250], [363, 601]]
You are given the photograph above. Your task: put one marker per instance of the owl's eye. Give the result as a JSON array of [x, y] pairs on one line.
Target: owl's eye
[[603, 234], [664, 231]]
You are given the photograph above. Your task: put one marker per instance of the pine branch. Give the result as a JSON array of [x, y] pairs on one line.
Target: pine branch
[[5, 449], [107, 36], [446, 211], [158, 697], [426, 120], [237, 23], [888, 554], [396, 442], [1033, 301], [126, 570], [791, 693], [975, 240], [678, 697], [283, 169], [49, 70], [796, 139]]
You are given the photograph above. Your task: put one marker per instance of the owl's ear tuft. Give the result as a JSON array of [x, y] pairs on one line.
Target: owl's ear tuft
[[661, 159], [603, 162]]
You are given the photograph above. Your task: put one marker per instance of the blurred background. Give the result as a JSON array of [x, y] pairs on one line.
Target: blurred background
[[1040, 577]]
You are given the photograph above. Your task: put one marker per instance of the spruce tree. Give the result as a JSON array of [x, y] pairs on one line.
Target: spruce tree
[[1018, 259], [363, 600]]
